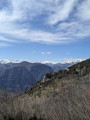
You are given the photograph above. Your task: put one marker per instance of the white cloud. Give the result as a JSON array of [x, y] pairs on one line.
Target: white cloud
[[26, 35], [43, 53], [62, 12], [7, 40], [2, 44], [76, 27], [83, 10], [46, 53]]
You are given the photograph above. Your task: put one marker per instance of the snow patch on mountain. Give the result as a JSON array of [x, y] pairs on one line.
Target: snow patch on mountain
[[50, 63], [64, 62], [72, 61], [7, 61]]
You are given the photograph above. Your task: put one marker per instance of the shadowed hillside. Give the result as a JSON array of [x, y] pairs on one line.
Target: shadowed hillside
[[20, 76], [63, 95]]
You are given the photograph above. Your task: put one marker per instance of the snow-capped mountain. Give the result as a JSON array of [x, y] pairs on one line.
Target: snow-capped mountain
[[7, 61], [43, 62], [26, 73], [72, 61], [66, 61], [48, 63], [56, 66]]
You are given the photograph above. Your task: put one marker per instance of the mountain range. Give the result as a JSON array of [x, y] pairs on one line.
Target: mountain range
[[62, 95], [17, 76], [56, 66]]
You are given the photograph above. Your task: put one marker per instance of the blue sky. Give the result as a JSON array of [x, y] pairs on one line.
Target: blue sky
[[44, 30]]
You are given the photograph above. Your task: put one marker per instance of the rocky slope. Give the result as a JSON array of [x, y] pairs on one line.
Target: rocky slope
[[20, 76]]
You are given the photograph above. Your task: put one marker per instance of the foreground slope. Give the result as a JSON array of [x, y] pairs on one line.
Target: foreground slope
[[64, 95], [5, 93]]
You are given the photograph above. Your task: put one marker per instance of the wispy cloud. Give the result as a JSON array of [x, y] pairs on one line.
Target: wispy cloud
[[2, 44], [68, 21], [7, 39], [75, 29], [62, 12], [46, 53], [83, 10]]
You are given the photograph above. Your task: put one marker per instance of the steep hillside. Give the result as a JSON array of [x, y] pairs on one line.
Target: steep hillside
[[78, 73], [63, 95], [20, 76]]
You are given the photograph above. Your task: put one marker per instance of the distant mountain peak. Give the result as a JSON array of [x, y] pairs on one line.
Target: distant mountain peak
[[64, 62], [44, 62], [73, 61], [7, 61]]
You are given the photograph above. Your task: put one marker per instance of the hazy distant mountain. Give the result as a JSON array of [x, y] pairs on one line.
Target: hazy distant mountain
[[60, 66], [20, 76]]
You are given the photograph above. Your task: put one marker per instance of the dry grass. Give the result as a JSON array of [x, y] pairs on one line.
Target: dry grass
[[72, 102]]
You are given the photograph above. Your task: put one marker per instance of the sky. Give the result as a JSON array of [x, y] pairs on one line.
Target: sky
[[44, 30]]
